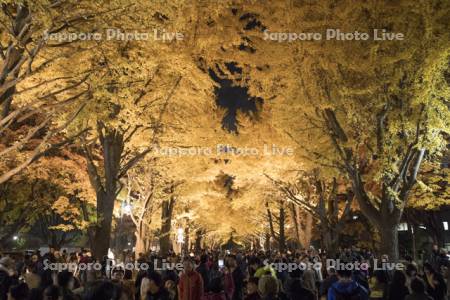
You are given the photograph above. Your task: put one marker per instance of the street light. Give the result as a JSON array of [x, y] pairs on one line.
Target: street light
[[445, 223], [15, 237]]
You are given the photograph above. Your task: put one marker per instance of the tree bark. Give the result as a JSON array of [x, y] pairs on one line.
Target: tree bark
[[112, 143], [165, 243], [282, 235], [102, 233], [186, 244], [198, 240], [389, 240], [11, 68], [142, 242], [295, 220], [267, 244], [387, 215]]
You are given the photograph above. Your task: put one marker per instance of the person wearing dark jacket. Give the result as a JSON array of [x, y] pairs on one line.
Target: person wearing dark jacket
[[418, 290], [435, 283], [296, 291], [19, 292], [326, 284], [435, 259], [155, 289], [216, 290], [397, 289], [65, 282], [252, 289], [238, 278], [203, 270], [8, 276], [346, 287]]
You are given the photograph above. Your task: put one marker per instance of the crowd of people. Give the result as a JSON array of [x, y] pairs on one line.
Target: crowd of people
[[224, 275]]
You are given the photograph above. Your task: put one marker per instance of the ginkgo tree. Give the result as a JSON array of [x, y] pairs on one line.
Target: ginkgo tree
[[321, 198], [34, 91], [370, 112], [376, 111], [49, 193]]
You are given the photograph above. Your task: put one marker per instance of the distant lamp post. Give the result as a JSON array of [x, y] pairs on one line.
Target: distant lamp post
[[355, 217], [15, 238]]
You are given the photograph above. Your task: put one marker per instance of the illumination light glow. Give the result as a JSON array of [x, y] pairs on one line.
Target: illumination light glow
[[126, 208], [180, 235], [15, 237], [445, 223], [402, 227]]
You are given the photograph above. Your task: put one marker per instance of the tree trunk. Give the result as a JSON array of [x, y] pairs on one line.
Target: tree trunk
[[102, 235], [142, 245], [386, 216], [282, 235], [389, 240], [295, 220], [186, 240], [165, 244], [198, 240], [307, 231], [326, 237], [112, 143], [11, 69], [267, 246], [413, 231]]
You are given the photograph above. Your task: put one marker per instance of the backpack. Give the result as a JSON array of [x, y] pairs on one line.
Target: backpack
[[355, 295]]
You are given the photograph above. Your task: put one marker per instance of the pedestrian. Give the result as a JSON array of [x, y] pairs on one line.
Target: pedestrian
[[397, 289], [19, 292], [418, 291], [203, 270], [216, 290], [190, 286], [296, 291], [329, 280], [268, 287], [155, 289], [378, 285], [435, 283], [51, 293], [8, 276], [238, 278], [346, 288], [252, 289], [103, 290], [65, 283]]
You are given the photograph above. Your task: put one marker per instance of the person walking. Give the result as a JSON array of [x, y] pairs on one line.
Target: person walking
[[346, 288], [155, 290], [435, 283], [397, 289], [190, 286], [8, 276], [418, 290]]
